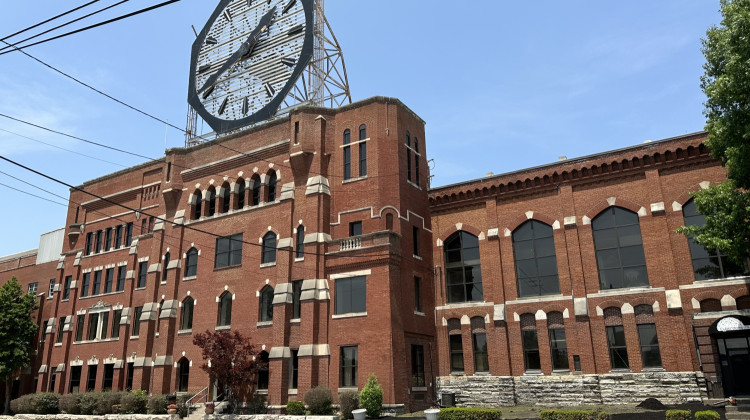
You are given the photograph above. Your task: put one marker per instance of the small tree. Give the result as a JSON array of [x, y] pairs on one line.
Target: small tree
[[371, 397], [229, 360], [17, 331]]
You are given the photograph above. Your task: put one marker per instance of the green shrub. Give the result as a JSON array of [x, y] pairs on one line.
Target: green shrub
[[70, 404], [135, 402], [107, 401], [181, 407], [256, 405], [371, 397], [319, 401], [23, 405], [88, 403], [46, 403], [678, 415], [707, 415], [573, 415], [157, 404], [295, 408], [348, 402], [469, 413]]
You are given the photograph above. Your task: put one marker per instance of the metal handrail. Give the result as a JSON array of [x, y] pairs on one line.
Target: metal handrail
[[203, 393]]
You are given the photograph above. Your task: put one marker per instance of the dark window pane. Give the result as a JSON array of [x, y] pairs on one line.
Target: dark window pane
[[457, 353], [544, 247], [526, 269], [629, 235], [531, 350], [523, 250], [481, 363], [632, 255], [547, 266], [608, 259], [605, 239]]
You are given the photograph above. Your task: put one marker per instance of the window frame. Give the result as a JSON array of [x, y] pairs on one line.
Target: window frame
[[294, 369], [300, 251], [646, 348], [91, 373], [268, 249], [136, 330], [348, 367], [273, 181], [66, 287], [532, 360], [109, 275], [224, 315], [296, 299], [480, 354], [265, 304], [355, 228], [345, 300], [96, 286], [418, 294], [558, 347], [186, 314], [347, 159], [142, 275], [614, 348], [601, 249], [462, 265], [85, 282], [116, 316], [456, 349], [417, 366], [191, 262], [74, 385], [532, 286], [122, 272], [233, 251]]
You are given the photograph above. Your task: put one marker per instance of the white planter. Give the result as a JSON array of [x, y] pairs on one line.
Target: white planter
[[432, 413], [359, 414]]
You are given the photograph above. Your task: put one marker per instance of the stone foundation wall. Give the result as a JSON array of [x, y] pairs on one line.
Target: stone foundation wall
[[79, 417], [569, 390]]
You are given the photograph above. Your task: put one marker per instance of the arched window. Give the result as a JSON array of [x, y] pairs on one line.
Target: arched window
[[463, 275], [198, 207], [455, 346], [165, 264], [225, 310], [240, 193], [479, 344], [186, 319], [269, 248], [362, 132], [347, 155], [183, 374], [408, 156], [536, 263], [557, 343], [619, 249], [225, 195], [530, 341], [618, 350], [362, 150], [647, 337], [263, 370], [710, 305], [272, 180], [191, 263], [256, 191], [266, 304], [707, 264], [211, 200], [300, 242]]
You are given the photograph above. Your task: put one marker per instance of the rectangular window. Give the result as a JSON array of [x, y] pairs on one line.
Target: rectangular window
[[296, 295], [457, 353], [85, 284], [118, 237], [103, 325], [89, 242], [479, 343], [91, 380], [300, 242], [97, 282], [293, 369], [129, 378], [129, 234], [351, 295], [79, 327], [60, 327], [417, 366], [417, 294], [558, 349], [43, 335], [98, 242], [107, 239], [355, 228], [93, 326], [33, 287], [108, 280], [51, 287], [228, 251], [347, 162], [363, 159], [415, 240], [109, 374], [618, 352], [408, 164], [142, 271], [75, 379], [416, 168], [52, 380], [531, 350], [649, 346], [121, 272], [116, 315], [66, 288], [137, 321], [348, 367]]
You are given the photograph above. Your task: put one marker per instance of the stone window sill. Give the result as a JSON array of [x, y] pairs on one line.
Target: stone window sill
[[417, 257], [104, 294], [457, 373], [419, 313], [184, 332], [533, 373], [620, 371], [133, 337], [348, 388], [414, 185], [264, 323], [653, 369], [295, 321], [222, 327], [292, 392], [481, 374], [189, 278], [299, 259], [351, 315], [419, 389], [227, 267], [58, 344], [350, 180], [269, 264], [262, 392]]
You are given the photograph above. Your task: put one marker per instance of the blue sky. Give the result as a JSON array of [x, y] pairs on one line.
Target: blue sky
[[501, 85]]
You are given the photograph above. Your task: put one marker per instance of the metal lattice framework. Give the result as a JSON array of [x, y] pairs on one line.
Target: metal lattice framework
[[323, 82]]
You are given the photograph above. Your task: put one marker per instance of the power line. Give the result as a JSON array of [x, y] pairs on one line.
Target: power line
[[49, 20], [13, 45], [96, 25], [33, 195], [62, 148]]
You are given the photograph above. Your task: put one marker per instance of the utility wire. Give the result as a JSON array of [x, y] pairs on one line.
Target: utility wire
[[96, 25], [62, 148], [61, 26], [49, 20], [33, 195]]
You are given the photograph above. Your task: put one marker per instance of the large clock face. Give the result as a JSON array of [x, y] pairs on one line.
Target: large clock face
[[247, 58]]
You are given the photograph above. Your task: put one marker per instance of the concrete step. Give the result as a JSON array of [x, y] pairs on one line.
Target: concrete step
[[737, 415]]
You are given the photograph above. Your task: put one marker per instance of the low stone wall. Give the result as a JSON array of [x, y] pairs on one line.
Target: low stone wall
[[105, 417], [571, 390], [266, 417]]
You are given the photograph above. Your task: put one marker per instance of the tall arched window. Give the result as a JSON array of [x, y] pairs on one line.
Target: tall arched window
[[240, 193], [463, 274], [191, 263], [300, 252], [198, 207], [619, 249], [211, 200], [272, 181], [347, 154], [225, 310], [618, 350], [255, 199], [707, 264], [536, 263], [362, 150], [530, 342], [225, 195], [416, 160], [558, 346], [263, 370], [647, 337], [479, 344], [269, 248], [183, 374], [266, 304], [186, 318]]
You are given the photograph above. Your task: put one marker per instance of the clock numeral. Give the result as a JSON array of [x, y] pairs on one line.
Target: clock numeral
[[269, 89], [223, 106], [295, 30], [208, 92], [204, 68], [211, 41], [227, 14], [288, 6], [288, 61], [245, 106]]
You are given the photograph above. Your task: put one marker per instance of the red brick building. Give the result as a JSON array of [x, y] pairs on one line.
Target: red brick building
[[317, 235]]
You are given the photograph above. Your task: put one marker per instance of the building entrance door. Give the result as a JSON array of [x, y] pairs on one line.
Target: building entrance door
[[733, 340]]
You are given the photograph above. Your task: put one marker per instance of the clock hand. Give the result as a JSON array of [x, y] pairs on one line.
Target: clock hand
[[244, 51]]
